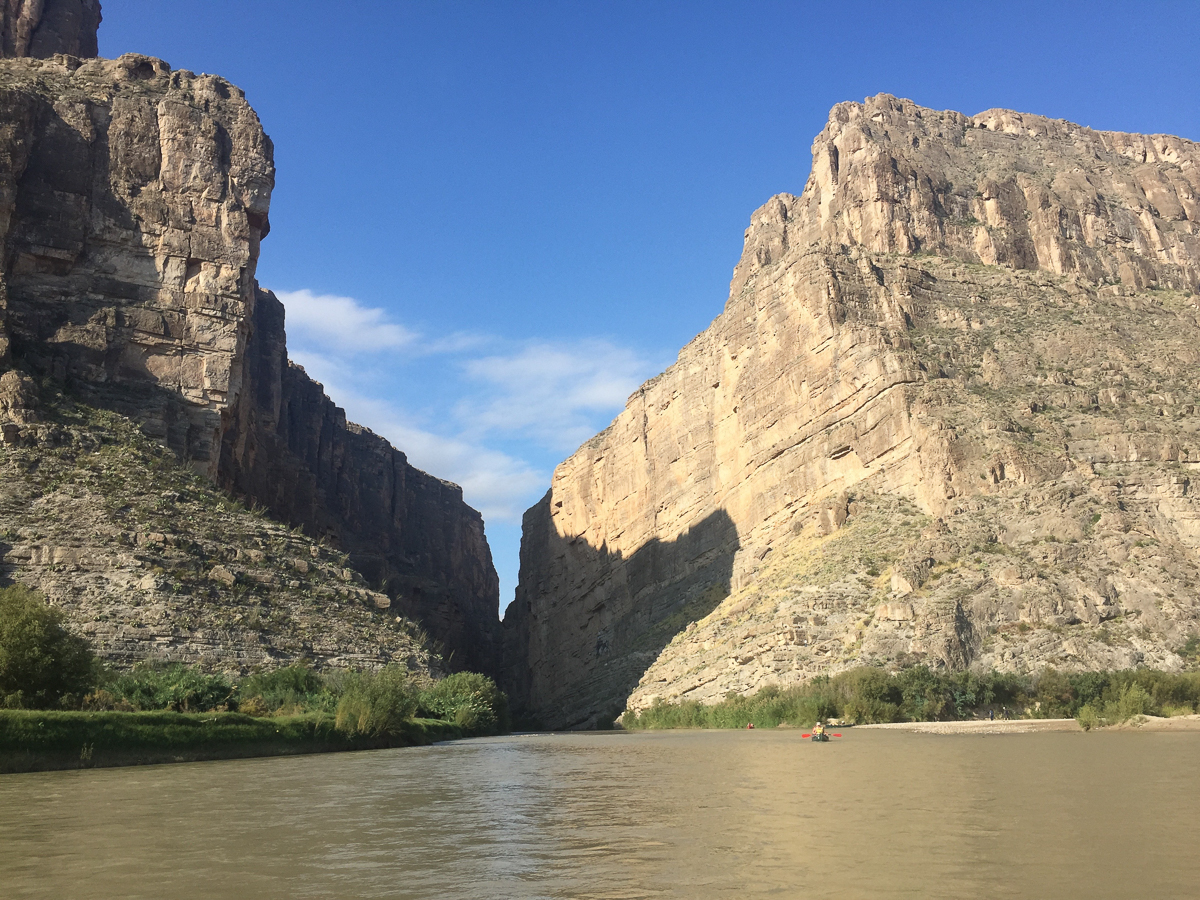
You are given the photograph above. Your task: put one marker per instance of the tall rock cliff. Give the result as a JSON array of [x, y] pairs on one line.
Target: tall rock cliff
[[132, 202], [948, 415]]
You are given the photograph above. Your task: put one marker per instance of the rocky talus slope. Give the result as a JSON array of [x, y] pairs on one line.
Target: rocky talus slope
[[948, 416], [151, 561], [133, 200]]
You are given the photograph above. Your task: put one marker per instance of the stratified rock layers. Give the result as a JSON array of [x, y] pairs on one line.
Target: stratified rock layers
[[132, 203], [989, 320]]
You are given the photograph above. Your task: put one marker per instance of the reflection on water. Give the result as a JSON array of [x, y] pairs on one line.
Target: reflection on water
[[877, 814]]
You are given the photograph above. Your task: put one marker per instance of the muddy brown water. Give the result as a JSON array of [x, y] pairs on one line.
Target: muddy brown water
[[875, 814]]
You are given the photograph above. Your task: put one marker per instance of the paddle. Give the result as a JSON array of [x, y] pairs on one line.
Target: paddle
[[810, 735]]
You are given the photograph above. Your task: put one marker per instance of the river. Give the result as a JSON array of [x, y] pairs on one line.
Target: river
[[874, 814]]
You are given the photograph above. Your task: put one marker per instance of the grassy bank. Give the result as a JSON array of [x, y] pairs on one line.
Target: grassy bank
[[868, 695], [60, 707], [35, 740]]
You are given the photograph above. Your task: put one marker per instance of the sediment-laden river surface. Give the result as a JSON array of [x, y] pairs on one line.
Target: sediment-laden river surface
[[873, 814]]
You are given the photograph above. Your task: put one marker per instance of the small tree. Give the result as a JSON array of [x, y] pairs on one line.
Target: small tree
[[376, 703], [41, 662], [469, 700]]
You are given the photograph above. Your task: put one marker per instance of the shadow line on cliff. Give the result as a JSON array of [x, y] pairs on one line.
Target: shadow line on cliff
[[6, 568], [572, 658]]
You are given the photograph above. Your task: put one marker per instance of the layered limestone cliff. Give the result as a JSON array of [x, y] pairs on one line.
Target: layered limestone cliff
[[132, 202], [947, 416]]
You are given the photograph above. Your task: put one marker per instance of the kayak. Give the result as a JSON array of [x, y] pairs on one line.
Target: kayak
[[820, 738]]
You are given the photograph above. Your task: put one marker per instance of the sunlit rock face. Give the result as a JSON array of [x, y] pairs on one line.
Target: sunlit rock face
[[133, 199], [132, 202], [947, 416]]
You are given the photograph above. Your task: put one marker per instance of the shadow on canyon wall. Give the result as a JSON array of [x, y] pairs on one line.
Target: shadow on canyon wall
[[586, 624], [406, 532]]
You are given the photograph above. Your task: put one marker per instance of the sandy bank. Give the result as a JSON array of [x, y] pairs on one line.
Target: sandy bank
[[983, 726], [1159, 723], [1028, 726]]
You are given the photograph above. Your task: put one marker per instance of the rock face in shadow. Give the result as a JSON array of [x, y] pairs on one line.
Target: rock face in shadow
[[42, 28], [575, 666], [290, 448], [967, 314], [150, 560], [132, 203]]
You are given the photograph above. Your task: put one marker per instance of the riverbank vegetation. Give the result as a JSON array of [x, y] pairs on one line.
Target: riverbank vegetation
[[60, 707], [869, 695]]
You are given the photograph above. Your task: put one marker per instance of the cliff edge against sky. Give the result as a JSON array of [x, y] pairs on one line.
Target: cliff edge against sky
[[947, 416], [133, 200]]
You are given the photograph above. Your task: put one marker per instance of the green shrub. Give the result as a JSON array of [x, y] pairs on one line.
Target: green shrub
[[42, 664], [1088, 718], [101, 700], [916, 694], [377, 704], [178, 687], [868, 695], [469, 700], [1134, 701], [254, 707], [1190, 651], [290, 690]]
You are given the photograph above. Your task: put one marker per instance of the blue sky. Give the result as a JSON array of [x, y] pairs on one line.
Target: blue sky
[[493, 220]]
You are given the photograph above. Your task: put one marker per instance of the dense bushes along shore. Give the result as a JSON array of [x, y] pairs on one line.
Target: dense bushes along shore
[[868, 695], [59, 706]]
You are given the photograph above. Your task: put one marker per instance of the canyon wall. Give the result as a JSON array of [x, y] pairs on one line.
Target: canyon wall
[[132, 202], [290, 448], [947, 416]]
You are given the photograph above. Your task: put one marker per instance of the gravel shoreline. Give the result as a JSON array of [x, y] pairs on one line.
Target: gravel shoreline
[[983, 726], [1029, 726]]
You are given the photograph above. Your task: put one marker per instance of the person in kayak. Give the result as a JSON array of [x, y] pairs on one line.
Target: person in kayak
[[819, 728]]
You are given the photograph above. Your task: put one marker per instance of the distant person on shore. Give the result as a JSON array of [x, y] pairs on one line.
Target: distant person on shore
[[992, 714]]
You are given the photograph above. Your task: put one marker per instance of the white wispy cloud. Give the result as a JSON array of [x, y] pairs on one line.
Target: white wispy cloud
[[499, 485], [550, 392], [490, 414], [342, 323], [544, 396]]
